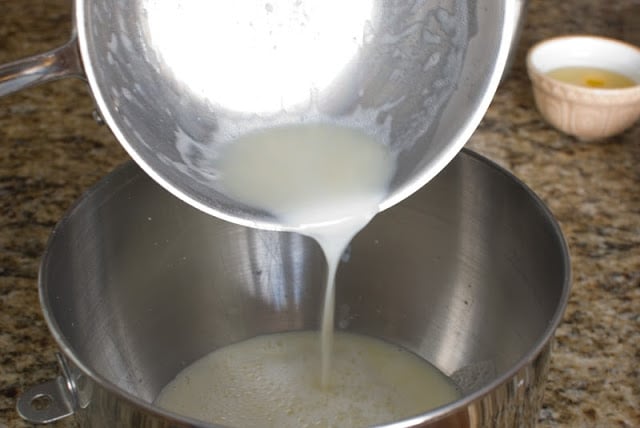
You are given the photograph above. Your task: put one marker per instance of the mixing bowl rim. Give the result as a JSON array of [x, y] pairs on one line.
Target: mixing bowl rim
[[132, 170]]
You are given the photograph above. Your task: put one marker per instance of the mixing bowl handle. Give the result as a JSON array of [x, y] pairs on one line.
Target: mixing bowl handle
[[58, 63], [50, 401]]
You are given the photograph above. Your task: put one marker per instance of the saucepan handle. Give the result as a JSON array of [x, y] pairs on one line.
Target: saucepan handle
[[58, 63]]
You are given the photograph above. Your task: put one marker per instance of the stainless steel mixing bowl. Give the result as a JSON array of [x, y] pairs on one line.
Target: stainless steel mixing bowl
[[471, 272], [175, 79]]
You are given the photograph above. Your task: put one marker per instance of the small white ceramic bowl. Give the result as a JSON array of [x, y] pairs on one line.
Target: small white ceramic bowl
[[585, 112]]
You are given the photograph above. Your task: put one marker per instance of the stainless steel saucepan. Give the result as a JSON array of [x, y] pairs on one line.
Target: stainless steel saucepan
[[175, 79]]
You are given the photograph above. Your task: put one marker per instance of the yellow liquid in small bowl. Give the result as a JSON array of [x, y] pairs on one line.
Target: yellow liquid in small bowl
[[592, 77]]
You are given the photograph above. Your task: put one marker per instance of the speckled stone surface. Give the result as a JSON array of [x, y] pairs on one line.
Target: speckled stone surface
[[51, 150]]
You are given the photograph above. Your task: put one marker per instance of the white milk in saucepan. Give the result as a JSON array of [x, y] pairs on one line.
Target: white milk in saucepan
[[325, 182]]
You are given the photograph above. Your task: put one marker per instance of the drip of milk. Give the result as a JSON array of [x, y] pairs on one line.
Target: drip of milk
[[271, 381], [320, 180]]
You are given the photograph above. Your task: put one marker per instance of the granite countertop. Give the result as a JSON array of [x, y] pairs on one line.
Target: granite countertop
[[51, 150]]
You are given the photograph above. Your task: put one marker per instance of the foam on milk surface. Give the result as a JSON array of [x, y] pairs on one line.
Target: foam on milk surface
[[273, 380]]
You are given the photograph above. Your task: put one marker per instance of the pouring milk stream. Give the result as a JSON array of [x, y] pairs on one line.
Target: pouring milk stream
[[322, 181]]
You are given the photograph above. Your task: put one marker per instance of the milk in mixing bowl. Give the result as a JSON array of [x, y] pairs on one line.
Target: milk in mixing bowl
[[273, 381]]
